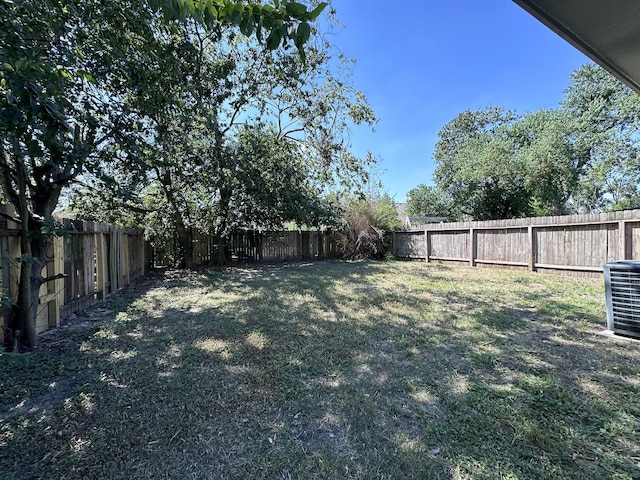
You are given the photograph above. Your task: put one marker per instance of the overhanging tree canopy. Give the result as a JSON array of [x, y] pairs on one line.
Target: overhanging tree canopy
[[66, 72], [244, 119]]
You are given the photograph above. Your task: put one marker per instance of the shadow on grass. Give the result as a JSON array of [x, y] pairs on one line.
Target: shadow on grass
[[334, 370]]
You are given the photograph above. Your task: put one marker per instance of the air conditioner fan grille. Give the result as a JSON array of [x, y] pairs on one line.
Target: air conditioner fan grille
[[623, 297]]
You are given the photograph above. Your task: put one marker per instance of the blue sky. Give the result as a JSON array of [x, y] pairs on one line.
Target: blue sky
[[422, 62]]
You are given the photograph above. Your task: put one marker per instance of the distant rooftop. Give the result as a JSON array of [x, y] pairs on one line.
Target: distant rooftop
[[413, 221]]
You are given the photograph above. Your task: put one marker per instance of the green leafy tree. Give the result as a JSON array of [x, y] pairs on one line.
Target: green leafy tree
[[476, 168], [309, 107], [430, 201], [47, 131], [243, 117], [65, 70], [605, 115], [580, 157], [273, 185]]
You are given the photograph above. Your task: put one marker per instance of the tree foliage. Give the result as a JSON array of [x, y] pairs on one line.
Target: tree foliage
[[273, 184], [580, 157], [252, 140], [68, 74], [606, 114], [476, 167], [430, 201]]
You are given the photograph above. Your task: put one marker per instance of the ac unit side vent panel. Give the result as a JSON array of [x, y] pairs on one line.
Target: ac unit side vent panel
[[622, 283]]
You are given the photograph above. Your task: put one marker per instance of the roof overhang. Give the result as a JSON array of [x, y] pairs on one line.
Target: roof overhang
[[606, 31]]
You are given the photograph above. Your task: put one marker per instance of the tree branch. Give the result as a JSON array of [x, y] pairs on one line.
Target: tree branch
[[9, 217], [57, 276]]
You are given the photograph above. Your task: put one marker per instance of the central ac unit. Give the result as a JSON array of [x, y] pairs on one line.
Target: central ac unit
[[622, 290]]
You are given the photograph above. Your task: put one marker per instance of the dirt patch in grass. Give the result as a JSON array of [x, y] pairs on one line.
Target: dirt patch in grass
[[330, 370]]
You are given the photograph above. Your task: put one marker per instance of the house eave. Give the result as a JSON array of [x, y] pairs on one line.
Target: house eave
[[607, 32]]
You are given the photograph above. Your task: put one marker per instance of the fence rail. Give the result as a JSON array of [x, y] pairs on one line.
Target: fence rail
[[96, 260], [576, 244]]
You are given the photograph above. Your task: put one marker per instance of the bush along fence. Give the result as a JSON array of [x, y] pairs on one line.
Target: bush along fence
[[576, 244], [96, 260]]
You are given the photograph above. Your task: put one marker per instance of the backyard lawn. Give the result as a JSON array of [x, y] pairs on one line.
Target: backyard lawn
[[371, 370]]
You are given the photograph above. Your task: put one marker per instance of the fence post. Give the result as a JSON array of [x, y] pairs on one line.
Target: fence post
[[306, 245], [427, 245], [320, 244], [142, 254], [88, 247], [472, 247], [115, 267], [102, 270], [393, 245], [125, 258], [56, 287], [622, 239], [532, 248]]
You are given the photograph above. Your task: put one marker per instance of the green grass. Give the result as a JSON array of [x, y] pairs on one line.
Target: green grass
[[332, 370]]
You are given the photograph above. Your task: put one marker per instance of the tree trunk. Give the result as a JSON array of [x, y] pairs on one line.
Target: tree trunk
[[184, 244], [183, 236], [221, 248], [223, 222], [27, 306], [34, 246], [25, 321]]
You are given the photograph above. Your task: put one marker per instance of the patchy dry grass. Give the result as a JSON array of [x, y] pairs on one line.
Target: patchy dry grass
[[332, 370]]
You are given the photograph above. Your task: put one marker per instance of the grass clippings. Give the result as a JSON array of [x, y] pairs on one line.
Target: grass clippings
[[330, 370]]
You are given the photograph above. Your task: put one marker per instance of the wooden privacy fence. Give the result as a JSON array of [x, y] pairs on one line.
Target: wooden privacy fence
[[253, 246], [282, 246], [97, 260], [576, 244]]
